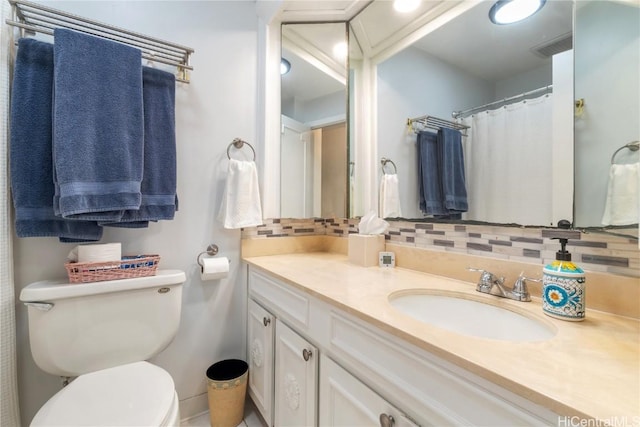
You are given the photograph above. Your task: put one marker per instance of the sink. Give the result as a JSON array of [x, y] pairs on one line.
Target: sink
[[459, 313]]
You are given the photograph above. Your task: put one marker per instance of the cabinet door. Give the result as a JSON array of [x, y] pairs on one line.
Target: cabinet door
[[260, 335], [347, 402], [296, 379]]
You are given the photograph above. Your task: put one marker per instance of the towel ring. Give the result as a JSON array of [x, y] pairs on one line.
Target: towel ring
[[384, 161], [212, 250], [633, 146], [238, 143]]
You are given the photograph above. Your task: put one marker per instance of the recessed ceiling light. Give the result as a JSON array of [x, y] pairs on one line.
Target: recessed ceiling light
[[404, 6], [510, 11], [285, 66]]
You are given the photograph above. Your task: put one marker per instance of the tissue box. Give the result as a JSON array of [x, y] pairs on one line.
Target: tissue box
[[364, 249]]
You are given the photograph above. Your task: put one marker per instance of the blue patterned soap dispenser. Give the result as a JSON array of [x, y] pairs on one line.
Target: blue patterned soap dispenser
[[563, 285]]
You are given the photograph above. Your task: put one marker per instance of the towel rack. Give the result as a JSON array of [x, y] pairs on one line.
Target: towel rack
[[435, 123], [238, 143], [34, 18], [384, 161], [633, 146]]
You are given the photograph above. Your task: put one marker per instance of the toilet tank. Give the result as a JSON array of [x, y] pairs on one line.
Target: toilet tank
[[79, 328]]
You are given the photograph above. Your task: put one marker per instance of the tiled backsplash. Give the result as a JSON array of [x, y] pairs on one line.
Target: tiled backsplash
[[593, 251]]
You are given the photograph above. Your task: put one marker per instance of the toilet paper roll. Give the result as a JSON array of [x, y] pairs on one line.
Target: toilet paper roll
[[214, 268]]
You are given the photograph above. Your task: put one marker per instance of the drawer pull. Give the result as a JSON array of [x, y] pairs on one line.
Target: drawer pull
[[266, 321], [387, 420], [306, 354]]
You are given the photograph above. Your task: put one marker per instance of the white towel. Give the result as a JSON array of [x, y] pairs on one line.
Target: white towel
[[390, 196], [623, 195], [241, 200]]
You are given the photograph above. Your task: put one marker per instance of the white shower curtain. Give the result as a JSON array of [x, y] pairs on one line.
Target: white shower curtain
[[9, 412], [508, 163]]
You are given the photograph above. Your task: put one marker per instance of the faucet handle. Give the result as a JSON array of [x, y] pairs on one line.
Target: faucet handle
[[520, 290]]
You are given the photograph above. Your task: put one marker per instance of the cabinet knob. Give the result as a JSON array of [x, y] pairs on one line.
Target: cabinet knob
[[306, 354], [387, 420], [266, 321]]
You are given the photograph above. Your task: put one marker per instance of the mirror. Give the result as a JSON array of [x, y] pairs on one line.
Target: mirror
[[464, 61], [404, 67], [313, 150], [607, 78]]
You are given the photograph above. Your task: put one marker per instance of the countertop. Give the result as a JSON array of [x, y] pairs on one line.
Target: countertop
[[589, 369]]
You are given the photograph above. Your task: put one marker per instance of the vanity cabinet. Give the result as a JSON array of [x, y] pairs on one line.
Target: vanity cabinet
[[346, 401], [260, 341], [296, 379], [367, 375]]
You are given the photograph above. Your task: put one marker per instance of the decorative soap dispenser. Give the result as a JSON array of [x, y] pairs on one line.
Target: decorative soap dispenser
[[563, 285]]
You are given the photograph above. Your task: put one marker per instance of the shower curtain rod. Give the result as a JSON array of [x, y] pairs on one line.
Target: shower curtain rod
[[459, 114], [36, 18]]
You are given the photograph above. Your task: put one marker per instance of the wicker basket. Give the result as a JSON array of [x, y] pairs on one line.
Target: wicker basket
[[128, 267]]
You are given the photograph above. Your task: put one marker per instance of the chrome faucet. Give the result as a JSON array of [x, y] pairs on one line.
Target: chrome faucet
[[493, 285]]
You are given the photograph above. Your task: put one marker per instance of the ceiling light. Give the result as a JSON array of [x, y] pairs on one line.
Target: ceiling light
[[404, 6], [340, 50], [510, 11], [285, 66]]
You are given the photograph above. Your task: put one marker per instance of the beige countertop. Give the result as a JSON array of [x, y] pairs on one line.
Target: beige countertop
[[589, 369]]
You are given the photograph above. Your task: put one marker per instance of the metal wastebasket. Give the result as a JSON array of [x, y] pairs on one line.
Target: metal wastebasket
[[226, 390]]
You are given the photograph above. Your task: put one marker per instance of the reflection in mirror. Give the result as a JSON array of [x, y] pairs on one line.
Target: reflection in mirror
[[607, 78], [313, 129], [510, 151]]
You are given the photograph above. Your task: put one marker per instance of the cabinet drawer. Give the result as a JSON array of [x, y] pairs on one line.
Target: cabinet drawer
[[281, 300], [437, 392]]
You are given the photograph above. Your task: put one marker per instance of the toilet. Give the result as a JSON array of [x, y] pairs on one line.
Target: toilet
[[100, 335]]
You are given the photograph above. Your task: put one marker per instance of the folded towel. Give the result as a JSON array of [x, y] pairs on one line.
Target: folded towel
[[451, 161], [241, 200], [159, 181], [431, 199], [97, 127], [30, 149], [623, 195], [390, 196]]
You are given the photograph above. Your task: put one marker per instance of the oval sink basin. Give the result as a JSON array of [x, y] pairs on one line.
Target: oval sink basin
[[470, 317]]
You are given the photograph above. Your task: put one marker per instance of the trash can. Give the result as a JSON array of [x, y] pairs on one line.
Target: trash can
[[226, 389]]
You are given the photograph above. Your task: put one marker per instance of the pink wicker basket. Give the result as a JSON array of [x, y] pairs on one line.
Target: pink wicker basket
[[126, 268]]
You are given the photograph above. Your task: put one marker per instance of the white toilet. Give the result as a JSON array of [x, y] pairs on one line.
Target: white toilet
[[102, 333]]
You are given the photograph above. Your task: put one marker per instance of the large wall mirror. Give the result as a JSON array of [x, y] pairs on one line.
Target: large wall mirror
[[515, 87], [313, 144]]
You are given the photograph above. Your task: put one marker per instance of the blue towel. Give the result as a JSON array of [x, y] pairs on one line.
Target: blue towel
[[451, 160], [97, 127], [30, 149], [159, 181], [431, 198]]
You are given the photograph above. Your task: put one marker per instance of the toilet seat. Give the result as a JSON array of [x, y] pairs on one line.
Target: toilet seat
[[136, 394]]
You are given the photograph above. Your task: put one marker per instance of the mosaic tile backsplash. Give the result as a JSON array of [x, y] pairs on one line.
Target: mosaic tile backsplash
[[592, 251]]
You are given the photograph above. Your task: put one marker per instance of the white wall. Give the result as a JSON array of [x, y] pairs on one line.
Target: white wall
[[218, 105], [524, 82], [607, 65], [412, 84]]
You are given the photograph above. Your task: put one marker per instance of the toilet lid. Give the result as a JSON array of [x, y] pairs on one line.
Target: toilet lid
[[136, 394]]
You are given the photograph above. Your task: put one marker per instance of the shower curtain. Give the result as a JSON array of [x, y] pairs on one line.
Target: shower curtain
[[508, 163], [9, 413]]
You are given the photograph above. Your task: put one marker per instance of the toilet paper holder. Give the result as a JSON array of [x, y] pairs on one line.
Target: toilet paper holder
[[212, 250]]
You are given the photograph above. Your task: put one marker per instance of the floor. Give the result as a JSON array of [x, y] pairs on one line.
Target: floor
[[251, 418]]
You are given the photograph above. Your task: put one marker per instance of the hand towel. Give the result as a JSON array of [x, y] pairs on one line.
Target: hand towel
[[623, 195], [31, 165], [431, 199], [451, 162], [97, 126], [241, 200], [158, 186], [390, 196]]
